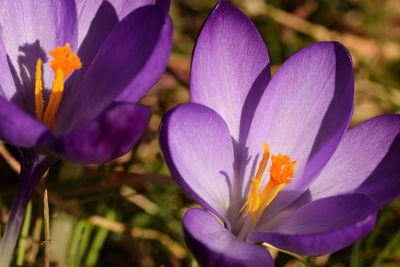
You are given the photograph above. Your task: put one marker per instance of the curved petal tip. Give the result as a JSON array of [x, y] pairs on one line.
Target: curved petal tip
[[213, 245]]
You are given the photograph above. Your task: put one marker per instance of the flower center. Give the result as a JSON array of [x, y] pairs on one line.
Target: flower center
[[65, 61], [280, 171]]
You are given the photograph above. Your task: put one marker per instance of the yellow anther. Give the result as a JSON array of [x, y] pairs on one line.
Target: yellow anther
[[55, 99], [263, 163], [280, 171], [253, 201], [39, 102], [65, 61]]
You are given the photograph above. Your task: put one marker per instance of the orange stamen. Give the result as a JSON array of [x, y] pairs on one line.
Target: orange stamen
[[65, 61], [280, 171]]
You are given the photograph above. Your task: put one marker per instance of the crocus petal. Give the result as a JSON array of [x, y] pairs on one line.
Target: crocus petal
[[101, 25], [367, 160], [198, 150], [7, 85], [111, 135], [153, 69], [125, 7], [213, 245], [121, 58], [230, 67], [323, 226], [304, 113], [30, 29], [87, 11], [20, 129], [21, 23]]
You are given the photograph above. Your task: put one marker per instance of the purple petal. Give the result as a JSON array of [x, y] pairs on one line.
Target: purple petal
[[153, 69], [304, 113], [119, 61], [123, 8], [101, 25], [198, 150], [87, 11], [323, 226], [7, 85], [53, 26], [230, 67], [111, 135], [367, 160], [213, 245], [20, 129], [30, 29]]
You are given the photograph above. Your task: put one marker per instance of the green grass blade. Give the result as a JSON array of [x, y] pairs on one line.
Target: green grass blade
[[98, 242], [75, 244]]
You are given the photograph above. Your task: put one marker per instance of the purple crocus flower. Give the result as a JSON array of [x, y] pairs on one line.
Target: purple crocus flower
[[79, 101], [272, 158]]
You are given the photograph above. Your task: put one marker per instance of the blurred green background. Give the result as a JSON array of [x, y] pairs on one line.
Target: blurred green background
[[128, 212]]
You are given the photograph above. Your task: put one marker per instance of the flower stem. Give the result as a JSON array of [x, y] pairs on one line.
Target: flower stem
[[33, 167], [24, 235]]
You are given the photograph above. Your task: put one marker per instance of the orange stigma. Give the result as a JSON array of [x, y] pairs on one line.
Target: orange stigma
[[280, 171], [65, 61]]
